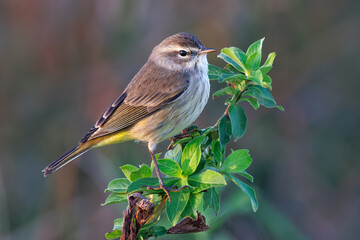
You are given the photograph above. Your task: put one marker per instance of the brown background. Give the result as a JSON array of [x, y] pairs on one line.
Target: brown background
[[63, 62]]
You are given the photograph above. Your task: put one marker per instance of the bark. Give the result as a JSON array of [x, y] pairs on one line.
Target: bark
[[141, 211], [189, 225], [135, 216]]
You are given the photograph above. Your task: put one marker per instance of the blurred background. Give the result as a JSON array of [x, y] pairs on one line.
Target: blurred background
[[63, 62]]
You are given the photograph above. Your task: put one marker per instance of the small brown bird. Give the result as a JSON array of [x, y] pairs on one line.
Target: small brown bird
[[165, 96]]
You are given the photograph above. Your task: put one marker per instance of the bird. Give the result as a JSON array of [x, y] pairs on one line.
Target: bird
[[164, 97]]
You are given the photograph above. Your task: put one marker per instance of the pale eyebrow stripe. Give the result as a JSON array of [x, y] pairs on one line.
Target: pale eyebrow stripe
[[176, 48]]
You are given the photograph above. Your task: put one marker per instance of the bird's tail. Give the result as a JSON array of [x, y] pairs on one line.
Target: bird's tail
[[85, 146], [67, 157]]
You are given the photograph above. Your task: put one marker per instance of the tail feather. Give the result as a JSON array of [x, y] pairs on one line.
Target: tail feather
[[66, 158], [85, 146]]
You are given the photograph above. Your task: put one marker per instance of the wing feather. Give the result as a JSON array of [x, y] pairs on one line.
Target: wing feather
[[150, 90]]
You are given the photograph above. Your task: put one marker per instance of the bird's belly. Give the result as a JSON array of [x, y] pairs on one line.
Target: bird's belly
[[173, 118]]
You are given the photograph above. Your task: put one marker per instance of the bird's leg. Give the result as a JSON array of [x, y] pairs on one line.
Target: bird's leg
[[161, 183]]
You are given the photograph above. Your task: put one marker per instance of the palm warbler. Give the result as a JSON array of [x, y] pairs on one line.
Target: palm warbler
[[165, 96]]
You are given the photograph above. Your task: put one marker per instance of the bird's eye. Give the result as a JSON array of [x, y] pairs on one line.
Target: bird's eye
[[182, 53]]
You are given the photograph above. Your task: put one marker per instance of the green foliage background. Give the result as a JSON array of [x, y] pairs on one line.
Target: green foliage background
[[62, 63]]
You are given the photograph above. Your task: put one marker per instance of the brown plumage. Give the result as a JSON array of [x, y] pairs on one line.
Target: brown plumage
[[165, 96]]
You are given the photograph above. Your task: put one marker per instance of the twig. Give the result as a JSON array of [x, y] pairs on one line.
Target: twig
[[228, 106]]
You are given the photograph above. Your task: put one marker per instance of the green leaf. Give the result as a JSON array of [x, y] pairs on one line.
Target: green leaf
[[177, 205], [115, 198], [207, 141], [265, 69], [238, 120], [159, 231], [208, 177], [118, 185], [205, 201], [256, 47], [246, 175], [118, 224], [247, 190], [231, 69], [257, 77], [253, 102], [174, 154], [270, 59], [191, 155], [237, 161], [224, 131], [148, 227], [267, 82], [169, 167], [113, 235], [224, 91], [263, 96], [253, 61], [143, 172], [191, 206], [142, 183], [183, 141], [201, 187], [157, 155], [217, 151], [232, 77], [199, 168], [228, 55], [224, 76], [239, 54], [128, 169], [212, 200], [227, 101], [215, 72]]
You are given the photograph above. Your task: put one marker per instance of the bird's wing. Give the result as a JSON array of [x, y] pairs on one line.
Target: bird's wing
[[150, 90]]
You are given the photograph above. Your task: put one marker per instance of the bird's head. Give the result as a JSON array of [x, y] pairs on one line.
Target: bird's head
[[182, 52]]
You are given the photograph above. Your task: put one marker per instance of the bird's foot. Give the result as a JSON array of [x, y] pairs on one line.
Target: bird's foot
[[167, 189]]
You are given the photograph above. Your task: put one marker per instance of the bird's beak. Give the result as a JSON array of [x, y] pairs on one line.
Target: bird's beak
[[207, 50]]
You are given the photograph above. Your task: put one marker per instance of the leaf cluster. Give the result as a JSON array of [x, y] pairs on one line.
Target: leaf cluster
[[200, 162], [246, 79]]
